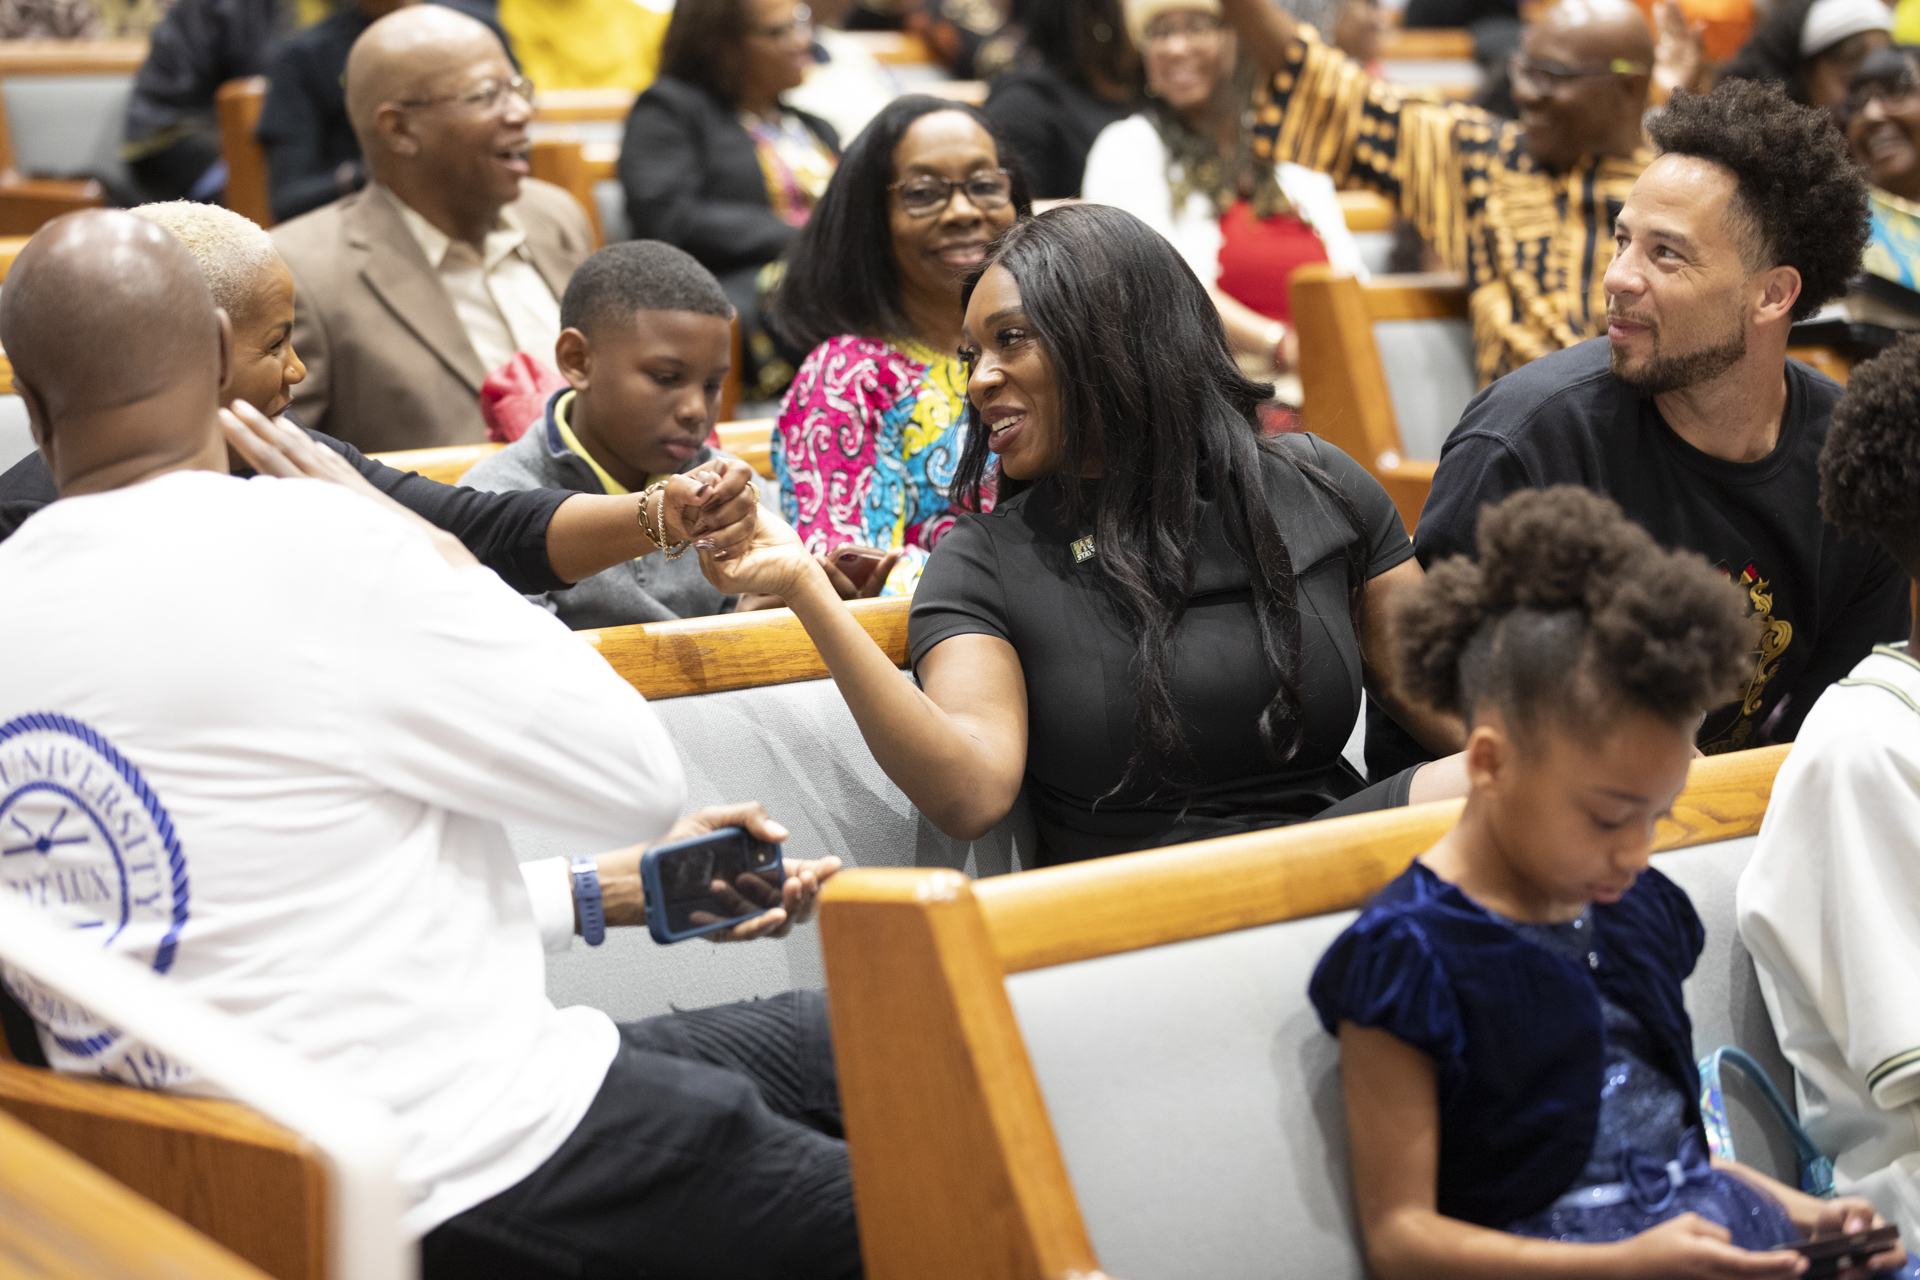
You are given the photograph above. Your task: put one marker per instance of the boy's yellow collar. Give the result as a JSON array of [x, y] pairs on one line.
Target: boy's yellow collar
[[562, 408]]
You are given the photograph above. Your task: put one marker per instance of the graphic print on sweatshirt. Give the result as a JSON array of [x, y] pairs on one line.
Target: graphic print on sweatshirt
[[86, 843]]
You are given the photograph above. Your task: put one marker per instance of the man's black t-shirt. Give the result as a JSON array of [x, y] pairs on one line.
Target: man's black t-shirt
[[1824, 600], [1016, 574]]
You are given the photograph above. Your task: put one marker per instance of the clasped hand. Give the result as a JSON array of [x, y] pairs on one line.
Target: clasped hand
[[713, 507], [774, 562]]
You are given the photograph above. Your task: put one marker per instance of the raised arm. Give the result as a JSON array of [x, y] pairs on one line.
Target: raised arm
[[957, 742], [537, 540], [1265, 29]]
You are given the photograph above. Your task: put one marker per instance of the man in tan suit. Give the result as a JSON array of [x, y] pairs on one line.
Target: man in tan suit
[[411, 291]]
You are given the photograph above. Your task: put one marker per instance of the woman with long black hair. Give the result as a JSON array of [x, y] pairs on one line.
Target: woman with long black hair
[[1163, 628]]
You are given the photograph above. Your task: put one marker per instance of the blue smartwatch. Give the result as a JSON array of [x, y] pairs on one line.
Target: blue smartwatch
[[586, 900]]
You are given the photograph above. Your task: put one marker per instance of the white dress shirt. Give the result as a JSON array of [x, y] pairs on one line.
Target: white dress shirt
[[260, 737], [503, 302]]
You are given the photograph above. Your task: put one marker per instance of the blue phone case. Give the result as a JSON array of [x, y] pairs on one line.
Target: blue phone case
[[650, 881]]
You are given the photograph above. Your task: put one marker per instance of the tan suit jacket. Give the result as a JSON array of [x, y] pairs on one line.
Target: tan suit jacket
[[388, 362]]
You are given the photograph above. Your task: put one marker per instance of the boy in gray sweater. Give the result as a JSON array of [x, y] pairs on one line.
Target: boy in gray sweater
[[644, 346]]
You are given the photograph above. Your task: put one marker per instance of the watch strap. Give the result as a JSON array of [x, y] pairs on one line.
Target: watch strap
[[586, 900]]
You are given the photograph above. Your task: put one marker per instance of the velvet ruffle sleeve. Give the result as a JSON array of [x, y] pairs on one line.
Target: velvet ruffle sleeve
[[1384, 972]]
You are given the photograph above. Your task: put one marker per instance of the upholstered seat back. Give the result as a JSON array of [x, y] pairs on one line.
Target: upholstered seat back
[[1198, 1103], [796, 749]]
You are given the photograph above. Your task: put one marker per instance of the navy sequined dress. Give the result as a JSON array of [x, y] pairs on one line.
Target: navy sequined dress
[[1562, 1054]]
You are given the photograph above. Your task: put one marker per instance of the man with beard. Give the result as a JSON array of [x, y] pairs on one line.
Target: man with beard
[[1689, 414]]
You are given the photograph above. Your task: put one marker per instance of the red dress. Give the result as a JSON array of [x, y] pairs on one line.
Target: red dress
[[1257, 257]]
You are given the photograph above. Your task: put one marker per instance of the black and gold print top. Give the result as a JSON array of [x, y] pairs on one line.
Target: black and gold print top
[[1819, 602], [1533, 244]]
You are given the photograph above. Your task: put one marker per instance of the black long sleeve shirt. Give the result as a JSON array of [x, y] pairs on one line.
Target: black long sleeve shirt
[[507, 532]]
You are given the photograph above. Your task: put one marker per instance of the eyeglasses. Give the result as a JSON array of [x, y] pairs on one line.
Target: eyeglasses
[[1544, 76], [924, 194], [489, 96], [1200, 28], [1892, 95], [801, 25]]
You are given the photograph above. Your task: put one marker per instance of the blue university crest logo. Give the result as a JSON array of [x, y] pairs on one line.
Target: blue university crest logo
[[85, 842]]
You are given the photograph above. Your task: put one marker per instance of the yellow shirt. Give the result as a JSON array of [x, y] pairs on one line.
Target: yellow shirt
[[586, 44], [563, 410]]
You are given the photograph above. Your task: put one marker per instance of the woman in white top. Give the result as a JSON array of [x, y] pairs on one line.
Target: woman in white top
[[1183, 166]]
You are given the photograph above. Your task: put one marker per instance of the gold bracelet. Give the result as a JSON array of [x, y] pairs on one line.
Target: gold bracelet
[[659, 531]]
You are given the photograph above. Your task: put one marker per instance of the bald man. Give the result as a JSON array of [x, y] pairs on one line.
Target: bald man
[[1523, 209], [451, 260], [287, 801]]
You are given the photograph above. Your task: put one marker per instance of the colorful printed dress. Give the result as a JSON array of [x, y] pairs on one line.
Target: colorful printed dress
[[1893, 246], [868, 439]]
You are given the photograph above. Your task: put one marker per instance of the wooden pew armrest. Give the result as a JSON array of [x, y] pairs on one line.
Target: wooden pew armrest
[[1407, 481], [223, 1168]]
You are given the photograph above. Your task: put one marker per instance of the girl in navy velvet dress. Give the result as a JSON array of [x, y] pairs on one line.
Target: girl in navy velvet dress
[[1518, 1064]]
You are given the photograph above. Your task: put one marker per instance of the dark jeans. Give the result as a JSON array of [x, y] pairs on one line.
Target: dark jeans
[[714, 1149]]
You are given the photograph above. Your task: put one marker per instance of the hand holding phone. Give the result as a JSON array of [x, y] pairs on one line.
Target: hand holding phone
[[710, 882], [1830, 1255]]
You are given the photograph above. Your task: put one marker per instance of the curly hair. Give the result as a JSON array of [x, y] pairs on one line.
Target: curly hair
[[1800, 191], [1572, 608], [1870, 464]]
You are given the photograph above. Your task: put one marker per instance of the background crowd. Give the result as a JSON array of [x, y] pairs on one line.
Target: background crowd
[[1019, 359]]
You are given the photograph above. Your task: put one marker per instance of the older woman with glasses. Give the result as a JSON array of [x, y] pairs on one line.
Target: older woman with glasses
[[1883, 128], [716, 163], [1185, 166], [872, 428]]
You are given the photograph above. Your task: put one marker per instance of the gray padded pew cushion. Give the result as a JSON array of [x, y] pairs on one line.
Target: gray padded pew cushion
[[796, 749], [16, 438], [1198, 1105], [69, 126], [1429, 367]]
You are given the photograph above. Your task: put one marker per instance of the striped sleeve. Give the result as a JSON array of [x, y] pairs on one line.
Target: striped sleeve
[[1431, 158]]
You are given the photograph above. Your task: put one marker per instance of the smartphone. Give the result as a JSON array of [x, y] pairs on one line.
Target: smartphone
[[1826, 1256], [858, 563], [709, 882]]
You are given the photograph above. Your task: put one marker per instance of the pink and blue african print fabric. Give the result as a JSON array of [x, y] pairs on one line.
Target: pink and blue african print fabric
[[866, 446]]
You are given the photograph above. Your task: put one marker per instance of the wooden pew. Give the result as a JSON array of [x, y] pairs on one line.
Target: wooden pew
[[237, 107], [61, 1217], [896, 48], [563, 162], [750, 441], [958, 1169], [221, 1168], [1366, 211], [27, 202], [446, 465], [582, 106], [1343, 382], [1827, 360], [1426, 44], [737, 650]]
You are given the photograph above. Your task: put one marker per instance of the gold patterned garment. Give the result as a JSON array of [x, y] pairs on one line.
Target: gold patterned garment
[[1533, 244]]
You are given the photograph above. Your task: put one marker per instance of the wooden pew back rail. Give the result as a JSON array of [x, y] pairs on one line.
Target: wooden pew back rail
[[1348, 397], [1114, 1064]]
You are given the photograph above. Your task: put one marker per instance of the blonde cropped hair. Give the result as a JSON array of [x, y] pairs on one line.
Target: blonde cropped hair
[[230, 250]]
